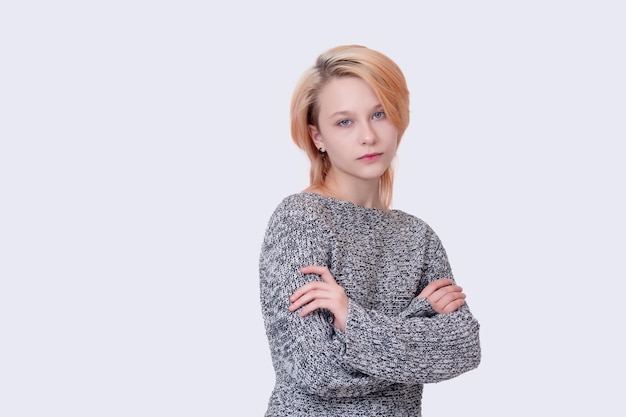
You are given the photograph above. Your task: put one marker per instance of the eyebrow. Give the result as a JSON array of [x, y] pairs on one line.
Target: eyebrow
[[376, 108]]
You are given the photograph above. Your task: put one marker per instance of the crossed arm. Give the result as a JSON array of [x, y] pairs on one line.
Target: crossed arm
[[363, 350], [443, 295]]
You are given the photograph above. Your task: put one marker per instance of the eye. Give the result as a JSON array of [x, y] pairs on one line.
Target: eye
[[379, 115], [344, 122]]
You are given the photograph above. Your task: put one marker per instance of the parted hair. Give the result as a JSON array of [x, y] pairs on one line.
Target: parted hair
[[384, 77]]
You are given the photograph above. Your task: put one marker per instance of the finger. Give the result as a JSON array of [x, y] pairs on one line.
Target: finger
[[450, 298], [434, 286], [307, 298], [315, 305], [322, 271], [453, 306], [304, 289], [449, 302], [443, 291], [309, 308]]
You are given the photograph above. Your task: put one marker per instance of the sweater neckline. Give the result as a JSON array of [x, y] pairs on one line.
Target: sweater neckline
[[346, 203]]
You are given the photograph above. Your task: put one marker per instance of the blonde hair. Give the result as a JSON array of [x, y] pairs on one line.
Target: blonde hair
[[381, 73]]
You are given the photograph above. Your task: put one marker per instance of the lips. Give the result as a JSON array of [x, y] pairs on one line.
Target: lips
[[370, 157]]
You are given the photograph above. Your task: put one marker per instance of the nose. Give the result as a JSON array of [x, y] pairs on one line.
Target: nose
[[368, 136]]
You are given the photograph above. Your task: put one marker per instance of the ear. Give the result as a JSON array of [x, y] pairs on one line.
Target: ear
[[316, 136]]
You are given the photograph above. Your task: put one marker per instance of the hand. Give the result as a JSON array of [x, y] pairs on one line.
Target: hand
[[443, 295], [321, 294]]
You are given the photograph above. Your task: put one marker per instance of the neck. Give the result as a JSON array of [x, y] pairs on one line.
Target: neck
[[359, 192]]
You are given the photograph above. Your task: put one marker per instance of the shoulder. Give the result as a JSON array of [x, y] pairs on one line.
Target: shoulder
[[417, 228], [404, 219], [299, 206], [297, 212]]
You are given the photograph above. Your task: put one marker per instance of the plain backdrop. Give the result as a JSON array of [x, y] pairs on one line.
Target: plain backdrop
[[144, 145]]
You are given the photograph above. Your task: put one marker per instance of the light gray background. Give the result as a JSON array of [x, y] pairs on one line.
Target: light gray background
[[144, 146]]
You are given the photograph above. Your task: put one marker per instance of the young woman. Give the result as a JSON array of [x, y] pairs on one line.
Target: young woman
[[359, 303]]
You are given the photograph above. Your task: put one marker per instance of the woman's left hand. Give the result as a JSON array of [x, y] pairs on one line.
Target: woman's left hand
[[321, 294], [443, 295]]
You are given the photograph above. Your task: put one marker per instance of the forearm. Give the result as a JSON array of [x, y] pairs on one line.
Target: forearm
[[306, 350], [412, 349], [310, 352]]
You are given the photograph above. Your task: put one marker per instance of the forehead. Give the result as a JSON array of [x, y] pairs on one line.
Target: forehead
[[346, 94]]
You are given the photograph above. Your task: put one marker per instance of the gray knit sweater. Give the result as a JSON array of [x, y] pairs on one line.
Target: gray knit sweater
[[394, 342]]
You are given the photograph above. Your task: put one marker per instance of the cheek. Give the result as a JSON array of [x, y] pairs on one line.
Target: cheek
[[391, 135]]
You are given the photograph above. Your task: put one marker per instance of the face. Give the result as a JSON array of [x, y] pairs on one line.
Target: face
[[359, 139]]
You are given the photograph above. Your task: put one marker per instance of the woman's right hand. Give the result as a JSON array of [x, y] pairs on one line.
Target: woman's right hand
[[443, 295], [321, 294]]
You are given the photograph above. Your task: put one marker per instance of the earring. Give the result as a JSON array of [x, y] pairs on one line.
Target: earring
[[323, 153]]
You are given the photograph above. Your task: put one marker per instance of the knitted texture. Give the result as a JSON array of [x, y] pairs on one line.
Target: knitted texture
[[394, 342]]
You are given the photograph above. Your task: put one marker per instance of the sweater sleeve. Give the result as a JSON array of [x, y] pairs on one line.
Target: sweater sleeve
[[307, 350], [418, 345]]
